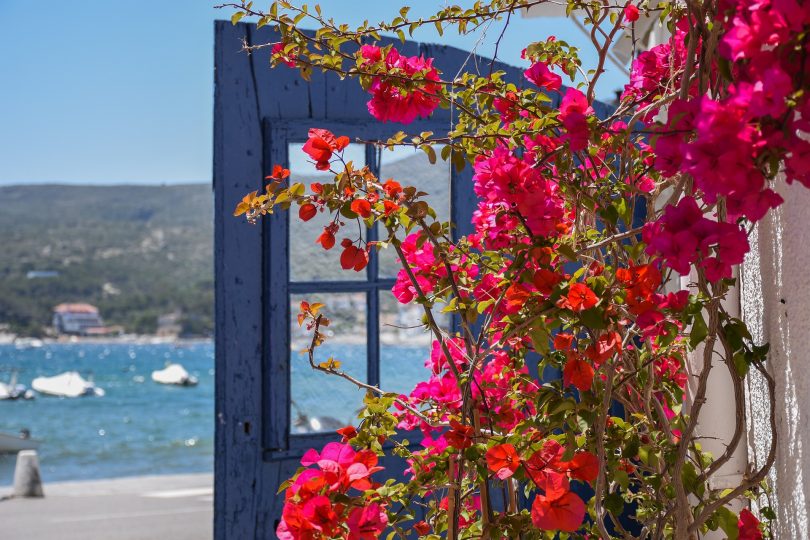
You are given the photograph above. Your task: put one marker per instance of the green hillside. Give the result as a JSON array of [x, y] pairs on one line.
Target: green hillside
[[134, 251], [138, 252]]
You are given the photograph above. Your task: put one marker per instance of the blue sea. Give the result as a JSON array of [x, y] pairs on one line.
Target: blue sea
[[138, 428]]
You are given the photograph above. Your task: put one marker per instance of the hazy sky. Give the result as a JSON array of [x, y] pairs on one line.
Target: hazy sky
[[100, 91]]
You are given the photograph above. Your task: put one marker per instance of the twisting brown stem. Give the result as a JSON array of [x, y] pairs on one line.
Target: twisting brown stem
[[601, 424], [356, 382]]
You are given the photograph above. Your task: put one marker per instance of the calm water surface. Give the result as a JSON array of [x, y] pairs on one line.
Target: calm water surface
[[139, 427]]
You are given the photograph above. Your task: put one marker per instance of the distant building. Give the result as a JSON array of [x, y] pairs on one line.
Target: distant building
[[168, 325], [42, 274], [78, 319]]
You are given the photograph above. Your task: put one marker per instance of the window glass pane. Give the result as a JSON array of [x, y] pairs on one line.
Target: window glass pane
[[411, 167], [405, 344], [308, 260], [320, 401]]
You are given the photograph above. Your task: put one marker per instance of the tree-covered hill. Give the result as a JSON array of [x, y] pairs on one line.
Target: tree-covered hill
[[134, 251], [138, 252]]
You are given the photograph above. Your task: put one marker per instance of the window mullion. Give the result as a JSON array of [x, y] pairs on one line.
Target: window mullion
[[373, 296]]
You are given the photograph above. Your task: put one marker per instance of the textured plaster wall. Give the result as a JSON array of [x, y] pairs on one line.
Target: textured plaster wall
[[775, 302]]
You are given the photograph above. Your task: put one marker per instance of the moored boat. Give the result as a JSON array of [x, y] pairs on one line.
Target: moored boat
[[68, 384], [10, 444], [174, 374], [12, 390]]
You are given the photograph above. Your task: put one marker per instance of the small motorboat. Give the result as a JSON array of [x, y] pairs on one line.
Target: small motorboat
[[68, 384], [12, 390], [11, 444], [28, 343], [174, 374]]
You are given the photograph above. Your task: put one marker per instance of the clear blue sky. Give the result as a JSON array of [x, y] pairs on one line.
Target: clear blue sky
[[107, 92]]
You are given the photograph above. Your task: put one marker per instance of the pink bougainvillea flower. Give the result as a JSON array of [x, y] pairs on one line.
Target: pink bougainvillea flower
[[395, 100], [748, 526], [574, 112], [631, 13], [541, 76], [277, 50]]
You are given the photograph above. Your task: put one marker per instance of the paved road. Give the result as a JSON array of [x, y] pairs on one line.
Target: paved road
[[140, 508]]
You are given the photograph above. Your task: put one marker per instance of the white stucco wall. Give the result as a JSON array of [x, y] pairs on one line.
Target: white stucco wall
[[775, 301]]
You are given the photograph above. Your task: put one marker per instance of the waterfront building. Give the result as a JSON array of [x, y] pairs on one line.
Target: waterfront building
[[77, 319]]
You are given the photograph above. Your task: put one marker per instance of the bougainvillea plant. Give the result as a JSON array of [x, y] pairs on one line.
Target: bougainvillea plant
[[560, 271]]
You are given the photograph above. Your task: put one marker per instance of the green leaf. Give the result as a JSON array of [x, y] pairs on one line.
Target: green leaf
[[699, 330], [431, 153], [459, 162], [540, 338], [727, 520], [236, 17], [614, 503], [592, 318], [567, 251]]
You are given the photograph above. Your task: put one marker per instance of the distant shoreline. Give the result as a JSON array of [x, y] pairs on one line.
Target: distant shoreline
[[126, 339]]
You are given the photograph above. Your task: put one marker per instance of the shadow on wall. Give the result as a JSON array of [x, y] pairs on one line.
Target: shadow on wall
[[775, 302]]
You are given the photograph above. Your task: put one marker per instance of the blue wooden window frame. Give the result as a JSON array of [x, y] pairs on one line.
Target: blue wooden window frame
[[278, 442]]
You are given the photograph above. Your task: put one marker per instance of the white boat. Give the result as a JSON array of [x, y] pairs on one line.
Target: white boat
[[174, 374], [28, 343], [68, 384], [12, 390], [10, 444]]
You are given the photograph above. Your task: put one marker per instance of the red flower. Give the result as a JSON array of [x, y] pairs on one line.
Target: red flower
[[389, 207], [348, 433], [367, 523], [421, 527], [459, 436], [579, 373], [631, 13], [307, 211], [326, 239], [546, 280], [503, 460], [584, 466], [279, 173], [320, 146], [353, 257], [563, 341], [361, 207], [563, 513], [748, 525], [392, 188], [604, 347], [516, 296], [547, 458], [581, 297]]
